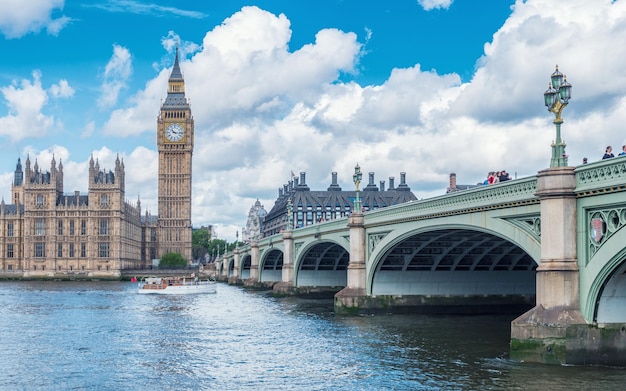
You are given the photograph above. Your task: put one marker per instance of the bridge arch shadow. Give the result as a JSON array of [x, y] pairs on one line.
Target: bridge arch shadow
[[271, 266], [606, 298], [449, 262], [246, 264], [322, 263]]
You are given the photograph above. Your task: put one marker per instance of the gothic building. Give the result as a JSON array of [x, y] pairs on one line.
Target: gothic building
[[309, 207], [256, 216], [47, 233], [175, 132]]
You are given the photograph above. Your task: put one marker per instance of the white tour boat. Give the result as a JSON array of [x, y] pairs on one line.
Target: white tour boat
[[176, 285]]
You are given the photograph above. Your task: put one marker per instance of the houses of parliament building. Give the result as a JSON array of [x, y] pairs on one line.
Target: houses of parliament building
[[49, 234]]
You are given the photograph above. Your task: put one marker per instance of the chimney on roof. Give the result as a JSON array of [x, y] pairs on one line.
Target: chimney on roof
[[403, 185], [280, 192], [333, 185], [391, 183], [371, 186], [382, 185], [302, 185], [452, 181]]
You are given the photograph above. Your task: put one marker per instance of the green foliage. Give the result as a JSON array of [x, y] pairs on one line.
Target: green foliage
[[200, 240], [172, 261], [202, 244]]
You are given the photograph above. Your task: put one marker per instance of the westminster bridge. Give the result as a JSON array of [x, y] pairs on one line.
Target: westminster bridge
[[552, 242]]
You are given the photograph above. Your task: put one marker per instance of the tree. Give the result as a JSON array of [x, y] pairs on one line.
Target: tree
[[172, 261], [200, 243], [201, 238]]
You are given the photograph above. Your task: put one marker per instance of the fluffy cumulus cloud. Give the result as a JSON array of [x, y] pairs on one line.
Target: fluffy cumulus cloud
[[19, 17], [26, 100], [116, 73], [263, 109]]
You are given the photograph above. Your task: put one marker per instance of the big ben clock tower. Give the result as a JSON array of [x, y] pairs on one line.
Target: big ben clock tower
[[175, 144]]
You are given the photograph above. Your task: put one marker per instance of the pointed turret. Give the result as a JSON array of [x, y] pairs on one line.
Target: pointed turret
[[176, 75], [176, 88], [18, 177]]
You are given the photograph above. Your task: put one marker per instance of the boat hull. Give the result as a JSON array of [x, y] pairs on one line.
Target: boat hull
[[180, 290], [158, 286]]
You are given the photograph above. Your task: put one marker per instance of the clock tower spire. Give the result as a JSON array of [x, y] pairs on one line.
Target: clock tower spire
[[175, 133]]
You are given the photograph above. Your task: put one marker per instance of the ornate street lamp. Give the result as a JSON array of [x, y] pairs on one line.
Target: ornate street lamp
[[357, 180], [289, 209], [556, 98], [237, 239]]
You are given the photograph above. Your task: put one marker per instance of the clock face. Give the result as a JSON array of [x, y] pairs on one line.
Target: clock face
[[174, 132]]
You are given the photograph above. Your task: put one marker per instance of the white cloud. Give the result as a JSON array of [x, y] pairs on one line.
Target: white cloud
[[116, 74], [19, 17], [429, 5], [26, 100], [61, 90], [262, 109], [141, 8]]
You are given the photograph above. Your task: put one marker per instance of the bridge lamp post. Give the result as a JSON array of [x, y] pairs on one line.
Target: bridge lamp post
[[556, 98], [289, 211], [357, 180]]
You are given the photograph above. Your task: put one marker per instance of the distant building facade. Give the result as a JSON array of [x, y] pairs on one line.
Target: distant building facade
[[313, 206], [256, 216], [46, 233]]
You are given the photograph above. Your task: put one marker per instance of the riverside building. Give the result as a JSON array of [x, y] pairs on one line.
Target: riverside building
[[309, 207], [47, 233]]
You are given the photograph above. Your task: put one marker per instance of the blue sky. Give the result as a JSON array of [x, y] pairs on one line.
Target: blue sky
[[424, 87]]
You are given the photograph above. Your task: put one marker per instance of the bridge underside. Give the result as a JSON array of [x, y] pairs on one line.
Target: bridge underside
[[612, 301], [324, 264], [272, 267], [437, 266]]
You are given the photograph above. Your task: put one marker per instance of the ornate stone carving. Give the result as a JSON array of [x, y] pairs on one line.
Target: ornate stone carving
[[606, 176], [530, 224], [611, 220], [375, 238]]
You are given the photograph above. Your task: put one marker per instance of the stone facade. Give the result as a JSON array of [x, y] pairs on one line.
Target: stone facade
[[252, 230], [175, 133], [46, 233]]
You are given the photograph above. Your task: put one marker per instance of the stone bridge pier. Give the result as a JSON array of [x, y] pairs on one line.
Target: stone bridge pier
[[555, 331]]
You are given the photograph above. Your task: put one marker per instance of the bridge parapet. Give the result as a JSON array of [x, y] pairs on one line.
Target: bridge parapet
[[604, 176], [502, 195]]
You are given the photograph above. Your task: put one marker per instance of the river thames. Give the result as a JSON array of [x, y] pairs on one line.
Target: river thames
[[105, 336]]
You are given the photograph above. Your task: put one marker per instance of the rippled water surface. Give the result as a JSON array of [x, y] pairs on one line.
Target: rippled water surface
[[105, 336]]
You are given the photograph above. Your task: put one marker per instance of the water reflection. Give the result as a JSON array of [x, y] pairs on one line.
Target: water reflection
[[105, 336]]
